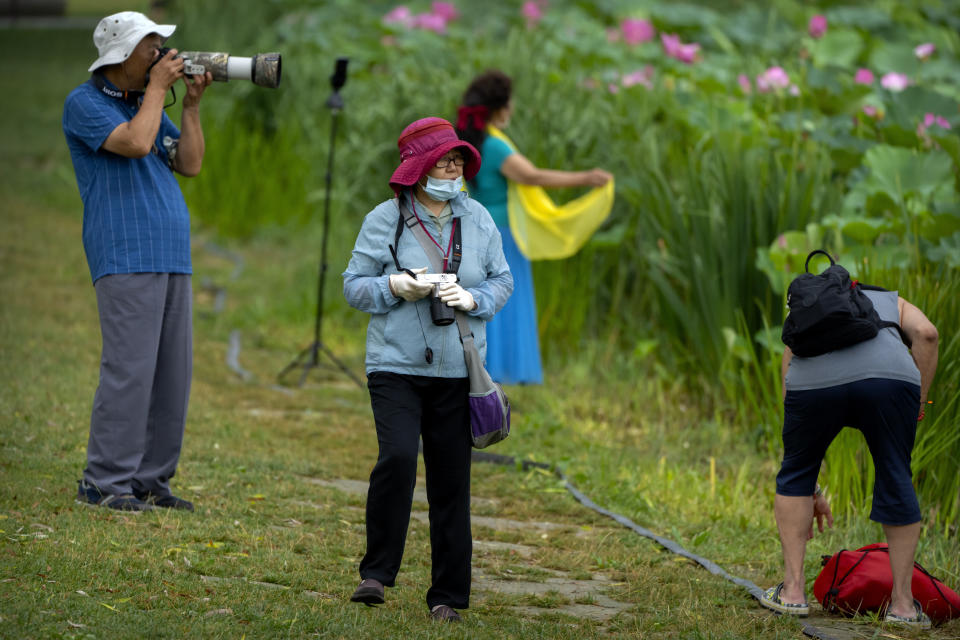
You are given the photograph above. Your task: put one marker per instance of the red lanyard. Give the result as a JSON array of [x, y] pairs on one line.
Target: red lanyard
[[453, 229]]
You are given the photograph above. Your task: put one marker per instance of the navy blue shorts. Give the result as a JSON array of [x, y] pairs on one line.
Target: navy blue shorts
[[885, 411]]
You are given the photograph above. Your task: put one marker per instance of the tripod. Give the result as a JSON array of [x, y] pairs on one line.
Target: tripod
[[309, 358]]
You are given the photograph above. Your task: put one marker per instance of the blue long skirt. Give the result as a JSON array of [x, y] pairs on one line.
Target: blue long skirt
[[513, 347]]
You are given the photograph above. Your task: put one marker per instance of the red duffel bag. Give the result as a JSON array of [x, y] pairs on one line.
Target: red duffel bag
[[860, 581]]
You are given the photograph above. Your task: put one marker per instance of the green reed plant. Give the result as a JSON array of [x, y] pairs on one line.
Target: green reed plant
[[241, 202]]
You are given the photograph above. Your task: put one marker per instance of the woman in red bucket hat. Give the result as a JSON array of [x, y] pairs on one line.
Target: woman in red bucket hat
[[416, 372]]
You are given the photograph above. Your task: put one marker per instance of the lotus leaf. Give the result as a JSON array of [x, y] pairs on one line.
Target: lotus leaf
[[867, 18], [900, 172], [838, 48], [894, 57], [908, 107]]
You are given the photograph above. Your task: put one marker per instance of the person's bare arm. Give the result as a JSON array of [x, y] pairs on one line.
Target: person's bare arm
[[134, 139], [926, 341], [191, 148], [784, 365], [517, 168]]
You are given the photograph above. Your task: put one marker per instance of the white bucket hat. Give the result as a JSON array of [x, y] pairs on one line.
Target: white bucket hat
[[118, 35]]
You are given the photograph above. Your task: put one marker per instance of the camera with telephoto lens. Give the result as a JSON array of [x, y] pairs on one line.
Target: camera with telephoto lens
[[263, 69], [440, 313]]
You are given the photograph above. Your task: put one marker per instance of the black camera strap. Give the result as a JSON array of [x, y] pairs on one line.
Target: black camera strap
[[452, 260], [406, 218], [433, 254], [132, 98]]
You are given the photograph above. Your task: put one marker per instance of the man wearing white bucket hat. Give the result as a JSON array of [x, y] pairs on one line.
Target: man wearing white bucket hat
[[136, 235]]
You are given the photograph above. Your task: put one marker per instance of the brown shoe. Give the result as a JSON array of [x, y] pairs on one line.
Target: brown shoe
[[369, 592], [443, 613]]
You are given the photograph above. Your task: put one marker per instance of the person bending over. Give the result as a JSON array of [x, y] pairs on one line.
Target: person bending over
[[879, 387]]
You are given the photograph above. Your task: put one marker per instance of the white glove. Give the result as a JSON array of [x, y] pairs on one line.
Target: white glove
[[456, 296], [408, 288]]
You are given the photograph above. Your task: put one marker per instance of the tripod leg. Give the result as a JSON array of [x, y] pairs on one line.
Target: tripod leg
[[296, 362], [303, 376], [342, 366]]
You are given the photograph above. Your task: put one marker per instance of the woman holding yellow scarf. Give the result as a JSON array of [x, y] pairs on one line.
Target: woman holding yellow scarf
[[513, 351]]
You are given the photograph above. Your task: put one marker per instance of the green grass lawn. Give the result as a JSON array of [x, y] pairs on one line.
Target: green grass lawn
[[269, 553]]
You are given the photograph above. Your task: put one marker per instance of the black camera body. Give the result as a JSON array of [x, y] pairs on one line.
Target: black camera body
[[440, 313]]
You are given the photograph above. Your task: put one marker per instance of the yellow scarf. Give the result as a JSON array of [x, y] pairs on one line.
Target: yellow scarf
[[544, 230]]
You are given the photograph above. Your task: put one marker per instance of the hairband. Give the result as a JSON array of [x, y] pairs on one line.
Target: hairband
[[477, 112]]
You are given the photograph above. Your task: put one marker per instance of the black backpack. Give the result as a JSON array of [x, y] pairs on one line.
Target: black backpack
[[830, 311]]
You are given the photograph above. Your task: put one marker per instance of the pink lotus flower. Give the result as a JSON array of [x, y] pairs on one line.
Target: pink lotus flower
[[794, 90], [863, 76], [642, 76], [533, 11], [924, 50], [431, 22], [613, 88], [673, 47], [771, 79], [399, 15], [870, 110], [744, 81], [445, 10], [931, 119], [817, 26], [636, 31], [894, 81]]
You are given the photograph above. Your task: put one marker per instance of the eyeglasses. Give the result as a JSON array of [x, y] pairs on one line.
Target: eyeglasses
[[458, 161]]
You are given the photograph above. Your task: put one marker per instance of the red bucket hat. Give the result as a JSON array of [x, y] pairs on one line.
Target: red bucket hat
[[424, 142]]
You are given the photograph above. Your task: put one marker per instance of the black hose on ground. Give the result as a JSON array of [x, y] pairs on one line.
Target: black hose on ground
[[671, 546]]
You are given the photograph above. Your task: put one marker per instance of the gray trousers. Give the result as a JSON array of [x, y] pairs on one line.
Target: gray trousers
[[140, 407]]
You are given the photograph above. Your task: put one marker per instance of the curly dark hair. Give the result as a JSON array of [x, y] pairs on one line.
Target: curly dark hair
[[490, 89]]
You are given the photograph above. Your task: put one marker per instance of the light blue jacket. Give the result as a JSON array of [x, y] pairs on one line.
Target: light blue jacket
[[399, 331]]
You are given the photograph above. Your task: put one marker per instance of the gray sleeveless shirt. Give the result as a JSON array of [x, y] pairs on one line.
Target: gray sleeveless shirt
[[884, 356]]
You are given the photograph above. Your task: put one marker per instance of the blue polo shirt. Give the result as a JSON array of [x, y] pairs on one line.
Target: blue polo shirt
[[135, 219]]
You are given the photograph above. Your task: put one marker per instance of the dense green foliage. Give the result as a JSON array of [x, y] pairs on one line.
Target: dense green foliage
[[729, 169]]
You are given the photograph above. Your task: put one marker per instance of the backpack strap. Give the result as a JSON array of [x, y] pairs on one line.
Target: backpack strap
[[806, 265], [886, 324]]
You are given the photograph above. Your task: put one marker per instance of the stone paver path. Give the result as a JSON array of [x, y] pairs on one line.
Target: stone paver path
[[560, 593]]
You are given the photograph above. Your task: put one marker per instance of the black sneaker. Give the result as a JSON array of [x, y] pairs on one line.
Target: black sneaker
[[91, 496], [168, 501]]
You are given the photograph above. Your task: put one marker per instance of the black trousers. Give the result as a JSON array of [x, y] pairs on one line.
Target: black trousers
[[407, 408]]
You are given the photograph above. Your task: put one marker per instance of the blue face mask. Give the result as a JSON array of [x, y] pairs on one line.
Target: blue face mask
[[443, 190]]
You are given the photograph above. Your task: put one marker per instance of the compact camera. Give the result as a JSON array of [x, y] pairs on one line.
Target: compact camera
[[440, 313]]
